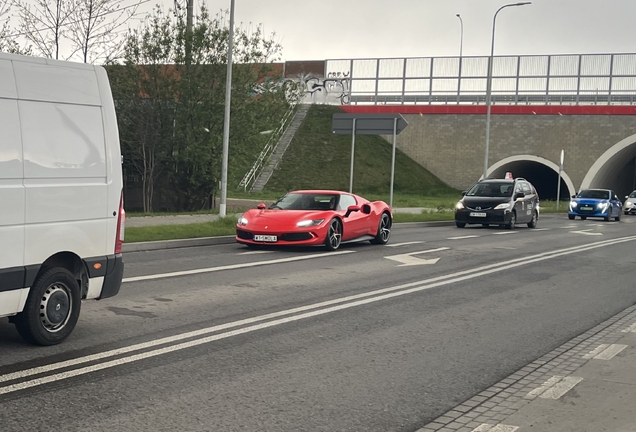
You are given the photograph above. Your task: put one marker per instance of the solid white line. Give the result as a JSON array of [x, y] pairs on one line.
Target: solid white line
[[423, 285], [561, 388], [506, 232], [255, 252], [462, 237], [542, 229], [404, 244], [610, 352], [585, 232], [234, 266]]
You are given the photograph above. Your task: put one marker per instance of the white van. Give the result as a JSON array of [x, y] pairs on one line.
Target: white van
[[62, 216]]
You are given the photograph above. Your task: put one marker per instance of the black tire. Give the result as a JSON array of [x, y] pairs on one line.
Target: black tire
[[618, 218], [571, 217], [535, 219], [513, 220], [626, 213], [334, 235], [384, 230], [460, 224], [52, 308], [608, 217], [583, 217]]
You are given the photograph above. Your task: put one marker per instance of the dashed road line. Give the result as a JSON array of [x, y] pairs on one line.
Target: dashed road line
[[605, 352], [555, 387], [630, 329], [586, 232], [487, 427], [404, 244], [506, 232], [462, 237], [254, 252]]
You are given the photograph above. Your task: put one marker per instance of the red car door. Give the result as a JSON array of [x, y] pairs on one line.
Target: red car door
[[356, 224]]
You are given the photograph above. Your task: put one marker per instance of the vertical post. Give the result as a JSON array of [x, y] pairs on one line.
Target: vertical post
[[353, 150], [226, 120], [395, 120], [188, 41], [559, 183]]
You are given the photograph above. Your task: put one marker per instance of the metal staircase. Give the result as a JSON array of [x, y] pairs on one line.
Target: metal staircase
[[271, 155]]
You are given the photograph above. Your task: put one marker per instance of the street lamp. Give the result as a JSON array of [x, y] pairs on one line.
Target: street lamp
[[461, 40], [489, 81], [461, 45], [226, 120]]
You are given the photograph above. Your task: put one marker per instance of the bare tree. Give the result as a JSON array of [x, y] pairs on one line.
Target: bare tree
[[96, 27], [44, 24]]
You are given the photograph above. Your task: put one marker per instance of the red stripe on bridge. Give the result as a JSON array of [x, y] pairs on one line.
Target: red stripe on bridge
[[495, 109]]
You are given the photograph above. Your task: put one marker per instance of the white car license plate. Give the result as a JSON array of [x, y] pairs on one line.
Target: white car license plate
[[472, 214], [587, 208], [265, 238]]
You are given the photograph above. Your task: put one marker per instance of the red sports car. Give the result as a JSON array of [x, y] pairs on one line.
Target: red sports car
[[316, 217]]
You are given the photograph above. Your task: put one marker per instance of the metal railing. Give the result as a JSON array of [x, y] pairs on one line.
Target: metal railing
[[536, 79], [265, 154]]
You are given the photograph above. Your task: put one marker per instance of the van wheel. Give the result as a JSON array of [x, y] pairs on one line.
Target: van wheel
[[460, 224], [52, 308]]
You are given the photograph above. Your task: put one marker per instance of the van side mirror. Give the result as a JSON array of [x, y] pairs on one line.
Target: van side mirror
[[464, 193], [626, 196]]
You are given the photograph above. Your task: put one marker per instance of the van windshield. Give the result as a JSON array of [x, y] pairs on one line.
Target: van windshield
[[491, 189]]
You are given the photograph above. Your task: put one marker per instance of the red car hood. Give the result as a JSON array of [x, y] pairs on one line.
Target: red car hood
[[281, 219]]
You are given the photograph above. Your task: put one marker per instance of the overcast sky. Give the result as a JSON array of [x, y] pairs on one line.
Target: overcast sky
[[327, 29]]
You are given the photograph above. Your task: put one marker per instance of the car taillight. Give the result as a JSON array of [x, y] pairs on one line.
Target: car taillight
[[121, 222]]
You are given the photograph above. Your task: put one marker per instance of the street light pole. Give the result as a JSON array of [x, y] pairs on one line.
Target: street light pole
[[559, 181], [461, 39], [226, 120], [461, 46], [489, 81]]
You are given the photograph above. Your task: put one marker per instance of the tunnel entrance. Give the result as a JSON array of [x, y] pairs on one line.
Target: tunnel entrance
[[615, 169], [542, 173]]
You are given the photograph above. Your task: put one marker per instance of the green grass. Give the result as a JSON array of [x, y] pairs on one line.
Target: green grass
[[319, 159], [221, 227], [550, 207]]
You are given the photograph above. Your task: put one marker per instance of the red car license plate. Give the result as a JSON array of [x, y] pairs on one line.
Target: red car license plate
[[266, 238]]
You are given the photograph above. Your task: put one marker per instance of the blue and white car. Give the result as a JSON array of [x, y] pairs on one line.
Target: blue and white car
[[601, 203]]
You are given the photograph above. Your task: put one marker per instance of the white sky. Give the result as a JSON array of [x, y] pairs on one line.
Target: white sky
[[323, 29]]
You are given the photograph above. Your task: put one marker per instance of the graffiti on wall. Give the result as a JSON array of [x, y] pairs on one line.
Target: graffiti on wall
[[335, 89]]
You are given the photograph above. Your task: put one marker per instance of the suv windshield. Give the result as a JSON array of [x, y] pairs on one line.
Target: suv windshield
[[491, 189], [306, 201], [598, 194], [632, 195]]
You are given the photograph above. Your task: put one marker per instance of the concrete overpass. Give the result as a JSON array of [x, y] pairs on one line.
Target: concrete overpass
[[584, 104]]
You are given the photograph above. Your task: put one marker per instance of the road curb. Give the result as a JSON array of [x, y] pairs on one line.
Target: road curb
[[222, 240]]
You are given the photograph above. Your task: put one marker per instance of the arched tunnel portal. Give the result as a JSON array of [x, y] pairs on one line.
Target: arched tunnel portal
[[542, 173], [615, 169]]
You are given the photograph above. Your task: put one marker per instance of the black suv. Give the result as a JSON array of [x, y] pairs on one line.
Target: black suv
[[499, 202]]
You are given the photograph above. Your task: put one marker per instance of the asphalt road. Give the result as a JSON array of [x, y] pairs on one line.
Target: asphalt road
[[368, 338]]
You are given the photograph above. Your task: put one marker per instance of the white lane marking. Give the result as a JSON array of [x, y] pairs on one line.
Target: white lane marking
[[234, 266], [555, 387], [587, 232], [543, 387], [419, 286], [596, 351], [542, 229], [255, 252], [608, 352], [409, 260], [506, 232], [486, 427], [630, 329], [570, 226], [404, 244], [462, 237]]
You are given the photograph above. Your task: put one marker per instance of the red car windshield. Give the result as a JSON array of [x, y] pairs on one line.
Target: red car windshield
[[306, 201]]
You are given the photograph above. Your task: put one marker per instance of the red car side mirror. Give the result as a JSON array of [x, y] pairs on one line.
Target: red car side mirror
[[261, 206]]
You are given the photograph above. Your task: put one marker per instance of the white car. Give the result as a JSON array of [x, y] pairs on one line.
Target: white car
[[630, 203]]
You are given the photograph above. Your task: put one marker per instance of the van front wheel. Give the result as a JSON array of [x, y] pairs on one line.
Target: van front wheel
[[52, 308]]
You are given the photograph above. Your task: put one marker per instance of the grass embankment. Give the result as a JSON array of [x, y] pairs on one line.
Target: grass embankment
[[318, 159]]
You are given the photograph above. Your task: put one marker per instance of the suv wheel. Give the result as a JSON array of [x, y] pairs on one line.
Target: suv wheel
[[513, 220], [534, 220]]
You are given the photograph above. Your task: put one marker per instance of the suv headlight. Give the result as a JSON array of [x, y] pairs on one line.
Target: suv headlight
[[460, 205], [242, 221], [629, 204], [502, 206], [603, 206], [309, 222], [573, 204]]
